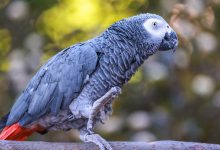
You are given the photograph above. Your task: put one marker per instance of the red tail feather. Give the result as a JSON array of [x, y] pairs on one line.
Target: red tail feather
[[17, 132]]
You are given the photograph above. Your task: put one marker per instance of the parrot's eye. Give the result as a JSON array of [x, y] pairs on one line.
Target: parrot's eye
[[156, 27], [154, 24]]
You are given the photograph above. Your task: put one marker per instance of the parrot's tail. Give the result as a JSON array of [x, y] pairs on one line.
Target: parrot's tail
[[18, 133]]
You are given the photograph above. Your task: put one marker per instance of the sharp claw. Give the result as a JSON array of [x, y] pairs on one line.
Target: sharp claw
[[116, 90]]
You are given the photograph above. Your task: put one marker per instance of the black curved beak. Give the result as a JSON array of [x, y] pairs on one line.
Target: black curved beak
[[169, 42]]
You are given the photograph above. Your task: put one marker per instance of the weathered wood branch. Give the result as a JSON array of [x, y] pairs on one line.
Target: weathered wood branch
[[157, 145]]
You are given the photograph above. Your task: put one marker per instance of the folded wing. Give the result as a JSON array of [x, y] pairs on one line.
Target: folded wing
[[55, 85]]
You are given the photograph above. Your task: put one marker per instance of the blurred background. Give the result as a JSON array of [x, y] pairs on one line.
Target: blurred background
[[173, 96]]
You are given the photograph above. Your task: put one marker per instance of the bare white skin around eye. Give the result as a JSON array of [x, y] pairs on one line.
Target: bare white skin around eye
[[157, 28]]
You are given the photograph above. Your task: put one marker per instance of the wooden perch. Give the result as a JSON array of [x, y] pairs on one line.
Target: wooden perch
[[157, 145]]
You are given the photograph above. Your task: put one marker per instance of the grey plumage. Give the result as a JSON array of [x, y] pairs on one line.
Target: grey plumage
[[64, 91], [55, 85]]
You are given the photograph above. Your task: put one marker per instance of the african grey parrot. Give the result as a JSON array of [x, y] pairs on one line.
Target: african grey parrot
[[76, 87]]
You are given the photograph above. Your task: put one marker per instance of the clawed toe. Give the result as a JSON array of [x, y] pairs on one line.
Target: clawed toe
[[98, 140]]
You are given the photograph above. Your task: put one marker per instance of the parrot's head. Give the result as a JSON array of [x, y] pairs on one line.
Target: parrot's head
[[150, 32], [160, 32]]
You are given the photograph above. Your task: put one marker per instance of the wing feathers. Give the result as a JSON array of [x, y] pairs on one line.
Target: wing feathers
[[41, 97], [55, 85]]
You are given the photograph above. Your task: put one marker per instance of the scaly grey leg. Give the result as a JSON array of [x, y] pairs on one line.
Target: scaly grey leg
[[94, 138], [98, 104]]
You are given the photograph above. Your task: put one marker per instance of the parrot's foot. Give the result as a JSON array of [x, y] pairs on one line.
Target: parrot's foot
[[98, 140], [101, 102]]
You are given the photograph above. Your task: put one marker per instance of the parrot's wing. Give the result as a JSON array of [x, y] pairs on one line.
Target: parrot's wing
[[55, 85]]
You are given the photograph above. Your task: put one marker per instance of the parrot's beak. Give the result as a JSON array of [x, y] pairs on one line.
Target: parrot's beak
[[169, 42]]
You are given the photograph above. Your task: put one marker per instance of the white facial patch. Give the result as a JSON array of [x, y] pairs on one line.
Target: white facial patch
[[156, 27]]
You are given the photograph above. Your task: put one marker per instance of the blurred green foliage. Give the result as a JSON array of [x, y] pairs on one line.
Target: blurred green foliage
[[5, 46], [173, 96]]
